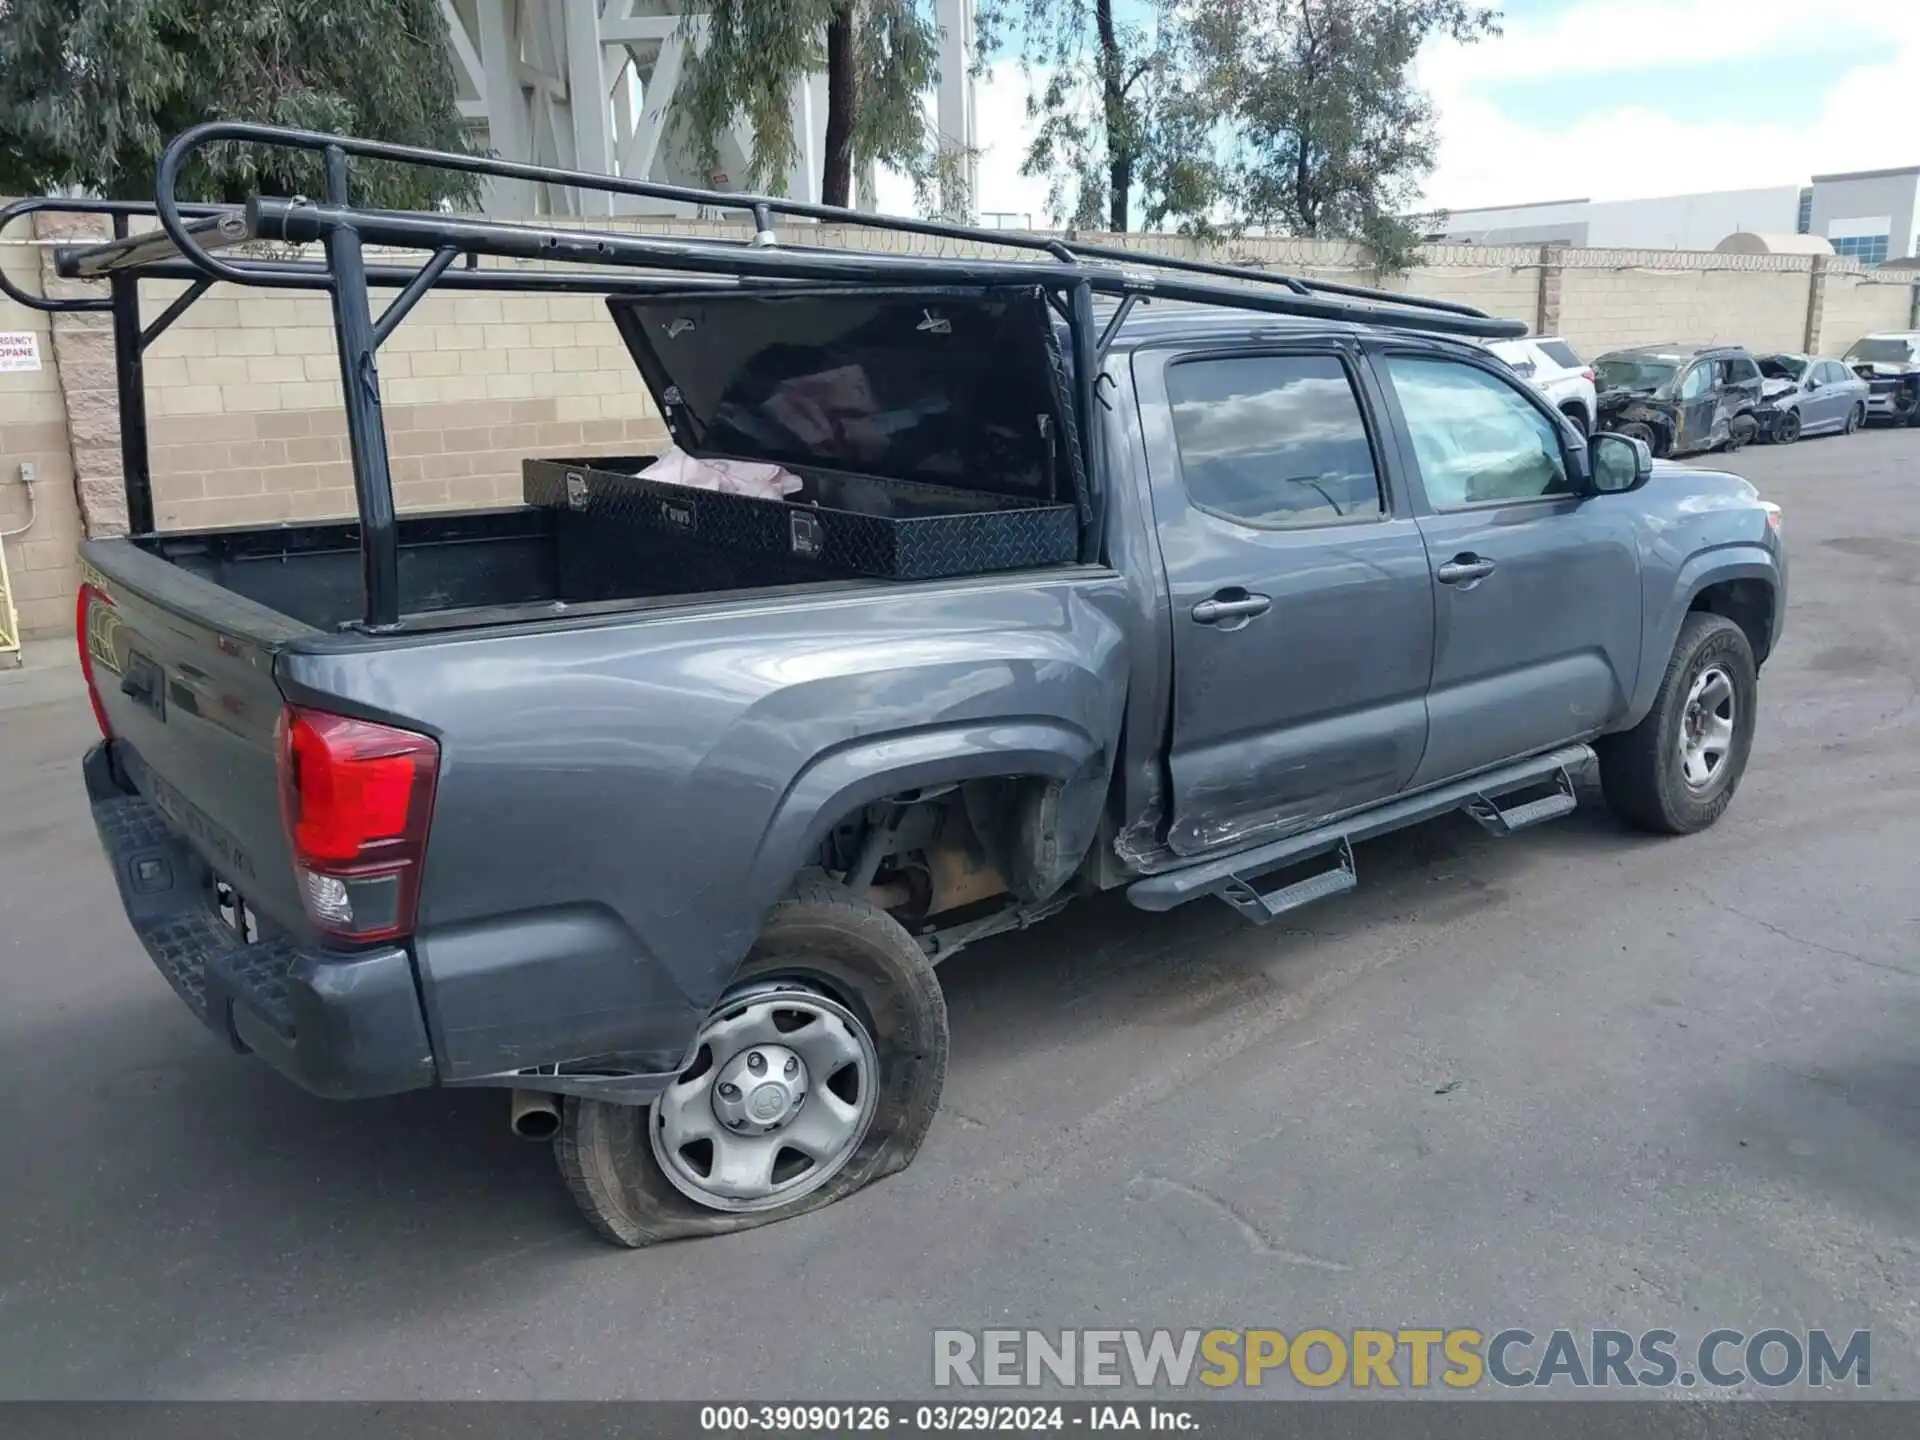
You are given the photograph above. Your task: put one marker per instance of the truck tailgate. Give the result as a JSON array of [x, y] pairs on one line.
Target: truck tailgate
[[183, 672]]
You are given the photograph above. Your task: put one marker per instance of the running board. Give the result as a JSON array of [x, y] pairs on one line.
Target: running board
[[1486, 812], [1238, 891], [1230, 876]]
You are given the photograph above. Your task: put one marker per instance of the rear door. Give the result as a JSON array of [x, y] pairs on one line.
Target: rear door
[[1698, 398], [1536, 591], [1302, 612]]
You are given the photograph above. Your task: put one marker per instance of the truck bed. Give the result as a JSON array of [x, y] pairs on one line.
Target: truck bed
[[461, 565]]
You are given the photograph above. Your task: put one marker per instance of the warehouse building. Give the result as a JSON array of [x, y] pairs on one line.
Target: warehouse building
[[1868, 215]]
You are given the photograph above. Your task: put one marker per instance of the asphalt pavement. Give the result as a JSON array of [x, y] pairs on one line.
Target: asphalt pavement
[[1577, 1078]]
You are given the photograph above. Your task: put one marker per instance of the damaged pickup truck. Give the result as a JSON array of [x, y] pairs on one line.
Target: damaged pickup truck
[[656, 806], [1681, 399]]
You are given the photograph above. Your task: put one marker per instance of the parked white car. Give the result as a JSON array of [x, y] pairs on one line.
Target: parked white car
[[1555, 369]]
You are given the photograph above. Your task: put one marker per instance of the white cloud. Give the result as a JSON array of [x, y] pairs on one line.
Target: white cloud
[[1627, 152], [1488, 157]]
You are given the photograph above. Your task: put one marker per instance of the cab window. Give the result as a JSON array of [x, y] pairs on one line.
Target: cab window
[[1477, 439], [1273, 441]]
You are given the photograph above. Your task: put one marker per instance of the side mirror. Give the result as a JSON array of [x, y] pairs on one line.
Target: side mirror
[[1619, 463]]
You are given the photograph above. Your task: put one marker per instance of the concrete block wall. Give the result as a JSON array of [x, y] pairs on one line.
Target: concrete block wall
[[33, 431], [1614, 298], [243, 398], [1858, 304]]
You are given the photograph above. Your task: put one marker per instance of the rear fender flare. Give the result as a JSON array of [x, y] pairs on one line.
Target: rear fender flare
[[840, 781]]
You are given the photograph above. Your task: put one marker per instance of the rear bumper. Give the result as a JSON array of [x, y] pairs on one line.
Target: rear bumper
[[1893, 401], [344, 1026]]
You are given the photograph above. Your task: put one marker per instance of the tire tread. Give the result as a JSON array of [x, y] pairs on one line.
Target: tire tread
[[1639, 784]]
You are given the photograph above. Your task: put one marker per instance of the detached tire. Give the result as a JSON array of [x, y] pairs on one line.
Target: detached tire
[[838, 988], [1676, 771]]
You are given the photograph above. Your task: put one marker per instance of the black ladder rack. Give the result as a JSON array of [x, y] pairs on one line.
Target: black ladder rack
[[190, 236]]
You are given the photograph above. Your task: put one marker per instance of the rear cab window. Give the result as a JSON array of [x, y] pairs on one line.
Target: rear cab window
[[1882, 350], [1273, 441]]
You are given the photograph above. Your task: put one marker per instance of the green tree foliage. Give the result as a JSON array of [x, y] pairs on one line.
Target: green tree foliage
[[1327, 134], [1296, 116], [91, 91], [880, 58], [1104, 99]]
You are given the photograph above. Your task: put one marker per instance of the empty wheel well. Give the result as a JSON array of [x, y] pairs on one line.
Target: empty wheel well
[[942, 849], [1748, 603]]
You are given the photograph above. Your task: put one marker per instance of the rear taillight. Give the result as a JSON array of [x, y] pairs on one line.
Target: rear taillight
[[83, 623], [357, 799], [1587, 375]]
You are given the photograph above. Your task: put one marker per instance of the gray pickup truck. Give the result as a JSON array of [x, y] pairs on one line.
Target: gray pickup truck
[[665, 835]]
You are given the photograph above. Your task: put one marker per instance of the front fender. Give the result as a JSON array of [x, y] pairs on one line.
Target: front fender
[[1742, 560]]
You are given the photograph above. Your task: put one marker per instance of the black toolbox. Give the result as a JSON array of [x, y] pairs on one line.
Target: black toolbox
[[836, 525]]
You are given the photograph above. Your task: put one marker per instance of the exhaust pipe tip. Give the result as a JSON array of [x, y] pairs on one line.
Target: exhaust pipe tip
[[534, 1115]]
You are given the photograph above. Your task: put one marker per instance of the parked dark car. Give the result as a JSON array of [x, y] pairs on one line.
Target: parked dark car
[[1680, 399], [656, 807], [1808, 395], [1890, 364]]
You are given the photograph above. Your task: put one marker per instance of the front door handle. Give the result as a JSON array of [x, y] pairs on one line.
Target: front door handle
[[1233, 607], [1464, 570]]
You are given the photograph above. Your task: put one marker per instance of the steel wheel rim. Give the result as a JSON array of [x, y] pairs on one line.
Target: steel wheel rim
[[1706, 729], [782, 1088]]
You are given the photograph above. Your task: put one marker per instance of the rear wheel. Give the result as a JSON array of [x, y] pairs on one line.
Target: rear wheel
[[1676, 771], [1856, 417], [818, 1072], [1786, 429], [1577, 417]]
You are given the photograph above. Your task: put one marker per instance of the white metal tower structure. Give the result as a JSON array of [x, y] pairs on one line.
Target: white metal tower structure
[[589, 85]]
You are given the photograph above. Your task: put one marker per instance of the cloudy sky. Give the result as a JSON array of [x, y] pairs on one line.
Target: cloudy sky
[[1618, 99]]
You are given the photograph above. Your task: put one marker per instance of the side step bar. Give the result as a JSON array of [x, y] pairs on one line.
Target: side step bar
[[1232, 877], [1486, 812]]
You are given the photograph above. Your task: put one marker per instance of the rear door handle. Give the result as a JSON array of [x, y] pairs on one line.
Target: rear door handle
[[1235, 607], [1464, 570]]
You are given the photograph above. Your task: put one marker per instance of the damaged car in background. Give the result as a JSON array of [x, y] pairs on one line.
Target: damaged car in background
[[1680, 399], [1890, 364], [1806, 395]]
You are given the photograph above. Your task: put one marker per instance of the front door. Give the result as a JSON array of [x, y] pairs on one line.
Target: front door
[[1302, 611], [1536, 590], [1827, 402]]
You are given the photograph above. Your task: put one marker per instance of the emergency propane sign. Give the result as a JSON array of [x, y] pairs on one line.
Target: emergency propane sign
[[19, 350]]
